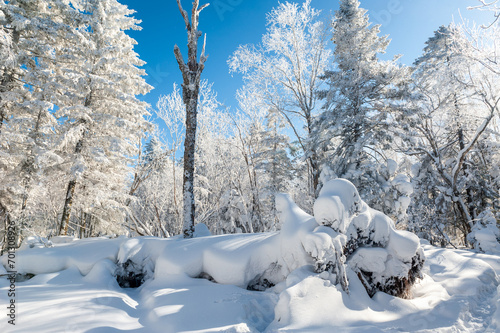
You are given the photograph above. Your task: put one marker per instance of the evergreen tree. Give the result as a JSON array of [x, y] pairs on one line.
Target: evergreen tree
[[363, 98], [274, 162], [38, 38], [104, 119]]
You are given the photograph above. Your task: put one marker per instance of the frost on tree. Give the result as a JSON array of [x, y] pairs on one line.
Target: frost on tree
[[283, 73], [453, 134], [485, 234], [32, 71], [104, 121], [191, 73], [362, 101]]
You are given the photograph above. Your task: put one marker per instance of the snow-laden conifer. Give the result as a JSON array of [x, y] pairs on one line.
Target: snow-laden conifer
[[353, 134], [103, 119]]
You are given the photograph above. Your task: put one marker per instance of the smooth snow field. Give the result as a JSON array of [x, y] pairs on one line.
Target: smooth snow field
[[75, 290]]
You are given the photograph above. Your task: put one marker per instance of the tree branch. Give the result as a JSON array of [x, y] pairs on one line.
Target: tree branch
[[184, 15]]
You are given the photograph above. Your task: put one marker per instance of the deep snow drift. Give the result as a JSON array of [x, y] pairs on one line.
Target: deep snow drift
[[317, 274]]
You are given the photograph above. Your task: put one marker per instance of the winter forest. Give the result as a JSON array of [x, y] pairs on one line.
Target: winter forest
[[335, 157]]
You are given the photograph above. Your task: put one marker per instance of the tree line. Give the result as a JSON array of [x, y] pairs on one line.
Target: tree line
[[420, 142]]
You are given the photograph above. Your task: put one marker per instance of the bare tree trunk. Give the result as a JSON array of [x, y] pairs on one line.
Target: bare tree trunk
[[313, 159], [2, 117], [191, 73], [176, 205], [70, 194], [465, 168]]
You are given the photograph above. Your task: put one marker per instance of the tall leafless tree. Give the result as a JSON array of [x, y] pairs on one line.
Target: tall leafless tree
[[191, 72]]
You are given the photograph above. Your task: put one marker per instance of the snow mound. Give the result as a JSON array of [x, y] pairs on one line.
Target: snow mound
[[388, 259], [343, 233], [319, 271], [83, 255], [383, 258], [337, 203], [35, 242], [336, 271], [227, 259], [485, 235], [457, 294], [136, 260]]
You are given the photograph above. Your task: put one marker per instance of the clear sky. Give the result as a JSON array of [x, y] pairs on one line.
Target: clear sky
[[229, 23]]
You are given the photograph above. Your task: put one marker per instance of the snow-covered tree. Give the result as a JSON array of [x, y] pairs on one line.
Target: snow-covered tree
[[284, 71], [490, 5], [218, 165], [38, 38], [152, 210], [451, 134], [274, 162], [353, 134], [104, 120]]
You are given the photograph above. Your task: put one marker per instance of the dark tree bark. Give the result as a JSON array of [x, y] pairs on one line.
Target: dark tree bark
[[70, 194], [70, 191], [191, 72]]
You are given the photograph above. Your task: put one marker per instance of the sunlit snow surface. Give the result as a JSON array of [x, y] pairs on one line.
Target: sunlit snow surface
[[458, 294], [75, 287]]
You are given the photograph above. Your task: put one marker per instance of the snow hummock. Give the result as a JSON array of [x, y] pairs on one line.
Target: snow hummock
[[210, 283], [485, 234]]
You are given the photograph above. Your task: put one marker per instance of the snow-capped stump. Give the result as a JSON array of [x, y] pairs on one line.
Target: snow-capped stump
[[337, 203], [384, 259]]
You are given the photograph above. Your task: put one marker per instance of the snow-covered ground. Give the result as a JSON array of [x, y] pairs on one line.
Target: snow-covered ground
[[459, 293], [265, 282]]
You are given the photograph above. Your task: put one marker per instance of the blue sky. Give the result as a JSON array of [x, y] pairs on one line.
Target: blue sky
[[229, 23]]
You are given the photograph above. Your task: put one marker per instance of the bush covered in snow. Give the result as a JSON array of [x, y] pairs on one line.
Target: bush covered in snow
[[383, 258], [485, 235]]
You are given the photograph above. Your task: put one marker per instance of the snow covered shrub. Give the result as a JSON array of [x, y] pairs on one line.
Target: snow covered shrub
[[485, 235], [381, 186], [129, 275], [135, 263], [233, 215], [385, 259]]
